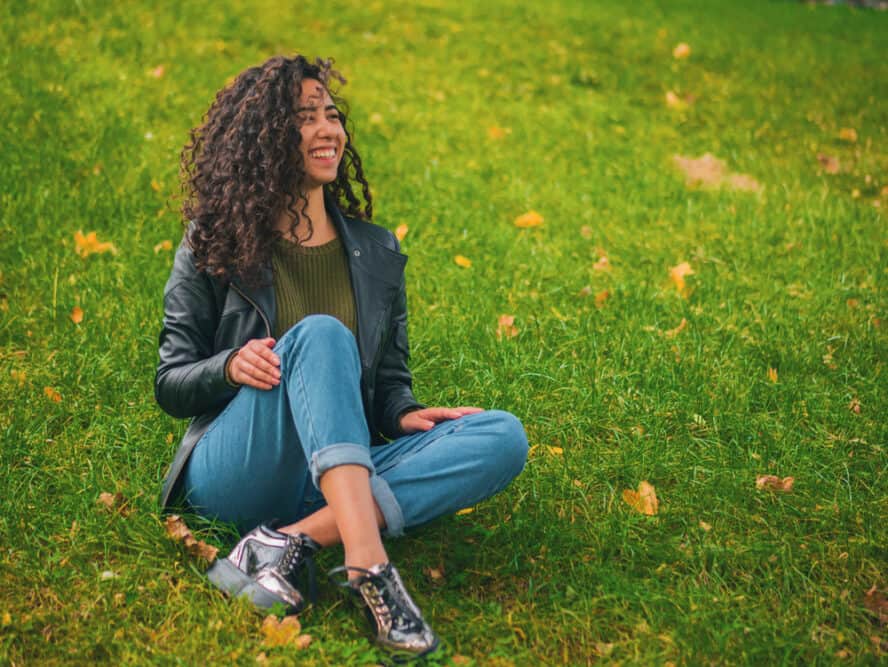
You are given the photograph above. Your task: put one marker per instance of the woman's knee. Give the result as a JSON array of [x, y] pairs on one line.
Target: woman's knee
[[509, 439], [317, 332]]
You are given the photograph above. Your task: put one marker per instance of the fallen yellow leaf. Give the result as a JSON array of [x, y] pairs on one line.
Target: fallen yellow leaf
[[603, 264], [772, 374], [555, 451], [464, 262], [166, 244], [467, 510], [155, 185], [529, 219], [705, 526], [76, 315], [677, 275], [854, 405], [505, 327], [681, 51], [280, 632], [496, 132], [774, 483], [89, 244], [848, 134], [644, 500], [435, 573], [401, 232], [601, 298], [18, 377], [52, 394]]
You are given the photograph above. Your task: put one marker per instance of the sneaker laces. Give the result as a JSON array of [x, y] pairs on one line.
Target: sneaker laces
[[403, 613], [296, 554]]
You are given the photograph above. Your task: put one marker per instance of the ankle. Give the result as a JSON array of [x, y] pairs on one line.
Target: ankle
[[364, 559]]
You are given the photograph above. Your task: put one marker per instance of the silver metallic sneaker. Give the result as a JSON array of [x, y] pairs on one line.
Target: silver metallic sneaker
[[265, 567], [397, 620]]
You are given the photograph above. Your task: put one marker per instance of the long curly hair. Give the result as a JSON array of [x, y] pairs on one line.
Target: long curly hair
[[242, 168]]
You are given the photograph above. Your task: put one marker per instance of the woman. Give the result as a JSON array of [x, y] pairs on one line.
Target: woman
[[285, 340]]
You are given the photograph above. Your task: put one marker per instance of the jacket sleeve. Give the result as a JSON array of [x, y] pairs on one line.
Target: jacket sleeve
[[394, 383], [190, 377]]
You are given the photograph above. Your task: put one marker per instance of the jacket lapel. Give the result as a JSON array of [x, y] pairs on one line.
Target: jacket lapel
[[262, 297], [376, 275]]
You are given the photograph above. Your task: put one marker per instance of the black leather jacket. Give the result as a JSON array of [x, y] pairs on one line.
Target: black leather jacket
[[207, 320]]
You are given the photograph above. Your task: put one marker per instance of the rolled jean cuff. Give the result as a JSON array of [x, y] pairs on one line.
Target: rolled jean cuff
[[341, 454], [388, 505]]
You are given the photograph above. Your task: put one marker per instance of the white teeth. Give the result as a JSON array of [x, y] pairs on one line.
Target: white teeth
[[328, 152]]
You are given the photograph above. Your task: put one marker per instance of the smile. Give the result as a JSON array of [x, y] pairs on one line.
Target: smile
[[323, 153]]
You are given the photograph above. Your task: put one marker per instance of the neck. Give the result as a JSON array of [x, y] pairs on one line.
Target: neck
[[322, 228]]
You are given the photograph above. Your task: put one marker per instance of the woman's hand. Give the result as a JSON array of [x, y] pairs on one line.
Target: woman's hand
[[425, 419], [255, 365]]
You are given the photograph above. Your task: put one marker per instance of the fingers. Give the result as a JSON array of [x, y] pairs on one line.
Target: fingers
[[444, 414], [256, 365]]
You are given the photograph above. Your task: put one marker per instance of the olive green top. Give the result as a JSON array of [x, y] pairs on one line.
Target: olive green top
[[311, 280]]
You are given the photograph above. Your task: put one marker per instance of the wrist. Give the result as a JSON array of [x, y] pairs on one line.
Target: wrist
[[228, 379]]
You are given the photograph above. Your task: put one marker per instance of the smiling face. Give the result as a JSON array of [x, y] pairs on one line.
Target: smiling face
[[323, 136]]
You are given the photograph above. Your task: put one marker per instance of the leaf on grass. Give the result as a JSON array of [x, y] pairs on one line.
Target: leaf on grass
[[555, 451], [460, 660], [114, 502], [603, 264], [76, 315], [848, 134], [586, 231], [52, 394], [505, 327], [707, 171], [496, 132], [672, 333], [677, 275], [854, 405], [435, 573], [401, 232], [166, 244], [877, 604], [705, 527], [681, 51], [644, 500], [830, 163], [178, 531], [465, 510], [529, 219], [772, 375], [774, 483], [464, 262], [376, 118], [679, 103], [601, 298], [585, 291], [155, 185], [158, 72], [89, 244], [277, 632]]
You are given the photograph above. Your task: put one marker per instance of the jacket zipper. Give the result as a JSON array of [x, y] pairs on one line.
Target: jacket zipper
[[256, 306]]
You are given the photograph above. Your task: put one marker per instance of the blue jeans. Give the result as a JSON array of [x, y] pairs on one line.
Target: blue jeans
[[263, 455]]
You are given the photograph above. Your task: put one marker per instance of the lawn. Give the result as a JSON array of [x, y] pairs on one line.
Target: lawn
[[767, 357]]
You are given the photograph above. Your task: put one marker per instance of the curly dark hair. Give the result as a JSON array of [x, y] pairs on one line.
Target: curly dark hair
[[242, 167]]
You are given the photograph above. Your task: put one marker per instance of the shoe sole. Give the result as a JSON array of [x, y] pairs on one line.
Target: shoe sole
[[225, 576]]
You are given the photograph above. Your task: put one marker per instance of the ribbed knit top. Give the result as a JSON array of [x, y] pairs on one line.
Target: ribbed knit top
[[312, 280]]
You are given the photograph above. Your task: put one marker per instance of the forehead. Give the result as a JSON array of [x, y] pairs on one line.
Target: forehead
[[314, 94]]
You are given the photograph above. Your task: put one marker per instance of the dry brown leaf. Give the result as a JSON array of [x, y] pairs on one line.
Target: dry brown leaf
[[672, 333], [644, 500], [848, 134], [303, 642], [529, 219], [89, 244], [586, 230], [166, 244], [158, 72], [280, 632], [743, 182], [854, 405], [677, 275], [460, 660], [505, 327], [830, 163], [464, 262], [705, 527], [706, 170], [585, 291], [401, 232], [178, 531], [52, 394], [435, 573], [76, 315], [772, 375], [601, 298], [774, 483], [603, 264], [681, 51], [673, 101], [114, 502], [877, 604]]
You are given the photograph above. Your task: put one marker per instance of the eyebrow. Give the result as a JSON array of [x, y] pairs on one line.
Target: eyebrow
[[314, 108]]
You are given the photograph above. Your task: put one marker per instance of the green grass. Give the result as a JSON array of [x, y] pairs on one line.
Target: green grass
[[558, 569]]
